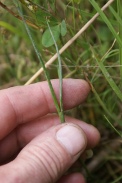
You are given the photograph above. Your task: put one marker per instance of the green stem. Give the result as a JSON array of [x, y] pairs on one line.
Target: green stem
[[42, 63], [61, 115], [107, 76], [106, 20], [119, 7], [102, 103]]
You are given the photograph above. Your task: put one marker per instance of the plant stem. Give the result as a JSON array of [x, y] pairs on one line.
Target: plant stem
[[106, 20], [107, 76], [43, 65], [119, 7], [69, 43], [60, 77], [17, 16]]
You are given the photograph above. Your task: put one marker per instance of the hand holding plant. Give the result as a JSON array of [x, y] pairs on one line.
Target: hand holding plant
[[37, 147]]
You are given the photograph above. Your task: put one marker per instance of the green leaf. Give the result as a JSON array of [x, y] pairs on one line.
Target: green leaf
[[47, 39], [106, 20], [12, 29], [63, 28]]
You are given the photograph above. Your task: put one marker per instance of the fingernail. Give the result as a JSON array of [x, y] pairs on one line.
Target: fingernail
[[72, 138]]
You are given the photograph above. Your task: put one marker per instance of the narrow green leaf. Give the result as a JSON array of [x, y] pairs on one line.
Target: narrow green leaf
[[63, 28], [117, 180], [102, 104], [47, 39], [106, 20], [119, 7], [107, 76], [11, 28], [41, 61], [119, 133], [62, 119], [116, 15]]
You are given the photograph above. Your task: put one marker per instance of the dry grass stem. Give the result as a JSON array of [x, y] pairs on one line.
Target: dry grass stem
[[68, 43]]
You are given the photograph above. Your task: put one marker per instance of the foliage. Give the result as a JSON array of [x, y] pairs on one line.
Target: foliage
[[95, 56]]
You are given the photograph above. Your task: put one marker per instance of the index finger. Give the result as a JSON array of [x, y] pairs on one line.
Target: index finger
[[22, 104]]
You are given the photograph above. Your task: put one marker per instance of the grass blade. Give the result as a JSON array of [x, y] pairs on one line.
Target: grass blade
[[70, 42], [116, 15], [119, 7], [60, 75], [113, 127], [12, 29], [42, 63], [107, 76], [102, 103], [106, 20], [117, 180]]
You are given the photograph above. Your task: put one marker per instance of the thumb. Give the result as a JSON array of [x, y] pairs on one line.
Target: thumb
[[47, 157]]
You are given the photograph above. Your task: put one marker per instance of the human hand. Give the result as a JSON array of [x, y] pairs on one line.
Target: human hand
[[34, 146]]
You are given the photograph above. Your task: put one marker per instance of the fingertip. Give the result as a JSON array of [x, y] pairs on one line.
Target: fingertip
[[94, 136], [86, 84], [75, 91], [80, 84], [82, 87], [72, 138], [92, 133]]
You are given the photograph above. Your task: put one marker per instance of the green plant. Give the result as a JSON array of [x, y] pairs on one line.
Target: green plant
[[59, 107], [93, 53]]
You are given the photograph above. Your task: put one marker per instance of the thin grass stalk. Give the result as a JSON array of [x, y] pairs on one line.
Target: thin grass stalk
[[73, 14], [112, 116], [119, 8], [120, 134], [107, 55], [60, 76], [106, 20], [117, 180], [116, 15], [12, 29], [42, 63], [107, 76], [69, 43], [17, 16]]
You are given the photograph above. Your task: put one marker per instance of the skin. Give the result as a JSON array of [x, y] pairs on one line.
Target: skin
[[28, 123]]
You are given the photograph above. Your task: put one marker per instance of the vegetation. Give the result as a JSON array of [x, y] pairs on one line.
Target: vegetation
[[95, 55]]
